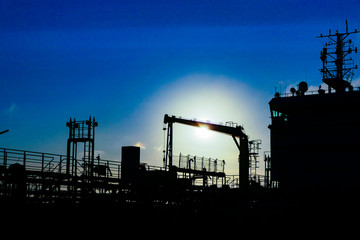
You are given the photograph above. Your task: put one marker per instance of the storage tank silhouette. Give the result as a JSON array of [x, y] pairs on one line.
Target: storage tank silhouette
[[130, 163]]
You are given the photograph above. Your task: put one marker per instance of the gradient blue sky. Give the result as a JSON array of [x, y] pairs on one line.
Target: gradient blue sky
[[129, 62]]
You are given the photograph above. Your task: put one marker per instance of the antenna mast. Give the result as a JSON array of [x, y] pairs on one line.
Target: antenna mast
[[338, 67]]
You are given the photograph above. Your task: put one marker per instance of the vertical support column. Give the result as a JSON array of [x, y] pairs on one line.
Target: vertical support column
[[244, 162], [68, 147], [42, 162], [5, 159], [339, 56], [94, 124], [88, 150], [243, 146], [24, 160], [169, 146]]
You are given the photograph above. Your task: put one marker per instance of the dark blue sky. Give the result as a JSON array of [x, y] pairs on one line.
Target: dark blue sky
[[122, 60]]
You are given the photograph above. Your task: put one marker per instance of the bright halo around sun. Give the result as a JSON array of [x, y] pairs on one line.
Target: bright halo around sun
[[203, 132]]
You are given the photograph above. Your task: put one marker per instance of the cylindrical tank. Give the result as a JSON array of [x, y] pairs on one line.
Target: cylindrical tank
[[130, 163]]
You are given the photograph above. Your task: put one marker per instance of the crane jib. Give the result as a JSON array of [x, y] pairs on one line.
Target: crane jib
[[232, 129]]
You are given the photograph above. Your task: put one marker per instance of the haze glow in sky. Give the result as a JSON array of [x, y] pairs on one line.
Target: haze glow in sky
[[130, 62]]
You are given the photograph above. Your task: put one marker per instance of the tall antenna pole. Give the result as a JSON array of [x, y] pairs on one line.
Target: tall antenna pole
[[338, 67]]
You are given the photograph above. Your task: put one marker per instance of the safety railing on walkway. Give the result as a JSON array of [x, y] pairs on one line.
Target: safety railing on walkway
[[199, 163], [56, 163]]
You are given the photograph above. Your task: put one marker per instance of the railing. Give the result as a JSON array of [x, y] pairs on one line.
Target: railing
[[56, 163], [294, 94], [33, 161], [310, 92], [228, 123], [232, 181], [199, 163]]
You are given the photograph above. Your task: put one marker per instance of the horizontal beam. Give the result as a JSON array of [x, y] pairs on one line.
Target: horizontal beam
[[229, 130]]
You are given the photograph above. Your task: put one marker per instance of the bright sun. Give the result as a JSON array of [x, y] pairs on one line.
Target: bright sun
[[203, 132]]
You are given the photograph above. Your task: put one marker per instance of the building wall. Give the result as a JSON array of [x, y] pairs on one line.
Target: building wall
[[315, 141]]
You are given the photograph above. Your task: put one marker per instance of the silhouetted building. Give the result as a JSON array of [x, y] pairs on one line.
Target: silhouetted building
[[130, 163], [315, 140], [315, 135]]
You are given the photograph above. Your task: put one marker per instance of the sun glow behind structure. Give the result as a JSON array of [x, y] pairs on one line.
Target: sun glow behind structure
[[207, 98], [203, 133]]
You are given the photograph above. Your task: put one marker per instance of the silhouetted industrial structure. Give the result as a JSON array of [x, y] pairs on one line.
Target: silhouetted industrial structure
[[313, 162], [315, 135], [234, 131]]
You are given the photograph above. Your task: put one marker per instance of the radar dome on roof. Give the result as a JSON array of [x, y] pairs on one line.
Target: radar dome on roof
[[303, 87]]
